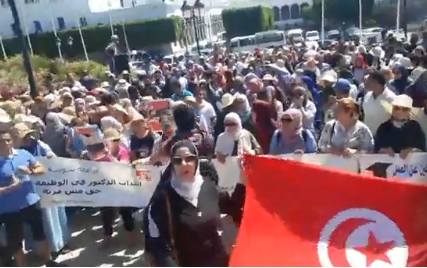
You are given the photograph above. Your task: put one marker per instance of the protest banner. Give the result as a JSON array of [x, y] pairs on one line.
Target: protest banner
[[72, 182], [411, 169], [310, 216]]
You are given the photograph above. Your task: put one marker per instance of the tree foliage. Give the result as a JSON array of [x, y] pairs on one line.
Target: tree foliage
[[247, 21], [338, 11]]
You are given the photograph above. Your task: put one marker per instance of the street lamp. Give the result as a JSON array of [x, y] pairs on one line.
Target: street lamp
[[190, 12], [25, 56]]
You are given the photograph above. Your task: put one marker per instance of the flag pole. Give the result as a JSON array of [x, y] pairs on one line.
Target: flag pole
[[398, 17], [57, 40], [360, 19], [323, 22], [126, 38], [82, 40], [3, 50], [30, 45]]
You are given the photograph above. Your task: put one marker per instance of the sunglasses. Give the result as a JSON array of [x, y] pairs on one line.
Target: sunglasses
[[231, 124], [286, 120], [400, 108], [177, 160]]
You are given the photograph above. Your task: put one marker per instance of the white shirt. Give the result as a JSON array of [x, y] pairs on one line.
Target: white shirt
[[375, 112], [207, 111]]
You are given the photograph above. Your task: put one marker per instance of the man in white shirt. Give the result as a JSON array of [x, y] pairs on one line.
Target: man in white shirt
[[206, 109], [376, 101]]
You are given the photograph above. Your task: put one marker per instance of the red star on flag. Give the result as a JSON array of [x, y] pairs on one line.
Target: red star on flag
[[375, 250]]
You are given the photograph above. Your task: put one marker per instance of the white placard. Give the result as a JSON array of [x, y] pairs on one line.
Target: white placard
[[73, 182], [411, 169]]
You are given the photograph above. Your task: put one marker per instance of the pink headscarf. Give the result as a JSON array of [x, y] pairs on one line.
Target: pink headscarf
[[295, 127]]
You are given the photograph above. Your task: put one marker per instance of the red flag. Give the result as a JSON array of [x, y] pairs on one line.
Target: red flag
[[305, 215]]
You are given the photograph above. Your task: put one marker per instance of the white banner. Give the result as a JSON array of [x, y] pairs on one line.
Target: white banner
[[72, 182], [411, 169]]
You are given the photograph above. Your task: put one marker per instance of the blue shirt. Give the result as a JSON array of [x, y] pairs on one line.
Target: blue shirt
[[307, 144], [185, 93], [23, 196]]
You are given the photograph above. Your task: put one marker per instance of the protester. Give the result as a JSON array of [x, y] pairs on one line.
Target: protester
[[176, 231], [292, 137], [235, 139], [400, 134], [346, 135], [19, 201], [117, 153]]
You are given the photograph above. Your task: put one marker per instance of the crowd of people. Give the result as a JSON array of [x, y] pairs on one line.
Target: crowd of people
[[344, 100]]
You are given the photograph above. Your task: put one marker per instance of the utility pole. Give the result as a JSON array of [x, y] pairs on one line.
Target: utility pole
[[25, 55], [405, 19]]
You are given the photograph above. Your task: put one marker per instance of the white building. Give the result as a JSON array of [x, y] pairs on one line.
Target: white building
[[37, 15], [43, 15]]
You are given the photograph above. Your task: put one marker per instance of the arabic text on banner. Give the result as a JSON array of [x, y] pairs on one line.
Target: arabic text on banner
[[72, 182]]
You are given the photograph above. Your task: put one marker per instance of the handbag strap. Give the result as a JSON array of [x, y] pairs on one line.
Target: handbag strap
[[171, 228]]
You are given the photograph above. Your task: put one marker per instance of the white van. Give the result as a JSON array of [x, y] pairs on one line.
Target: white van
[[270, 39], [296, 35], [243, 43], [312, 36]]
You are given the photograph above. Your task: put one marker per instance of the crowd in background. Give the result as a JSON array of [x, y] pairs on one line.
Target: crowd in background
[[346, 99]]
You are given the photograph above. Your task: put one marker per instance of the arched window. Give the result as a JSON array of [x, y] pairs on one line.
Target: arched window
[[295, 11], [276, 12], [285, 12]]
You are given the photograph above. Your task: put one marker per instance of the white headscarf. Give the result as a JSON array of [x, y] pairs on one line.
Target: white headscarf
[[226, 140]]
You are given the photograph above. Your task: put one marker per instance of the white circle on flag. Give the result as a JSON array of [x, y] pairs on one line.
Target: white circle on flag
[[382, 227]]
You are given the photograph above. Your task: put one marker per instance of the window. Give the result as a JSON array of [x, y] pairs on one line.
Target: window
[[83, 22], [61, 23], [31, 1], [269, 37], [38, 26]]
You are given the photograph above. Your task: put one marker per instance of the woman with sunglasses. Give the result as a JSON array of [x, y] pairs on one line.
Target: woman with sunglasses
[[117, 152], [184, 217], [400, 134], [291, 137], [235, 137], [346, 135]]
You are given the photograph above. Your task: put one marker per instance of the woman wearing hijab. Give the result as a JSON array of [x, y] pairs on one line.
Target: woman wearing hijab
[[264, 115], [292, 137], [360, 67], [54, 134], [54, 218], [243, 109], [401, 79], [301, 101], [183, 219], [234, 139]]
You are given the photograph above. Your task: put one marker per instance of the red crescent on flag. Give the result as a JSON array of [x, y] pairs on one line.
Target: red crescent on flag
[[338, 240]]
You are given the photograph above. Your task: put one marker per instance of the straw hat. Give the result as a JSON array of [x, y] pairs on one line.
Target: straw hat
[[111, 134], [227, 99], [401, 101], [22, 130]]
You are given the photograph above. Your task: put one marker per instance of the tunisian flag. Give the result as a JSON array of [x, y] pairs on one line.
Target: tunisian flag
[[304, 215]]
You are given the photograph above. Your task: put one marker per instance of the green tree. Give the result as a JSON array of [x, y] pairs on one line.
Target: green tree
[[338, 11]]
